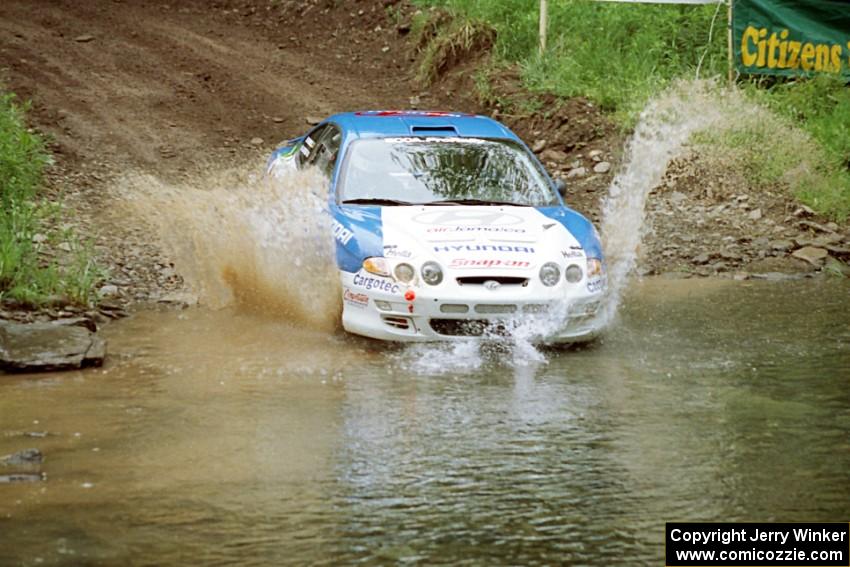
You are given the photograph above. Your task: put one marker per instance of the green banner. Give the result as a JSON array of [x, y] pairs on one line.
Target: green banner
[[784, 37]]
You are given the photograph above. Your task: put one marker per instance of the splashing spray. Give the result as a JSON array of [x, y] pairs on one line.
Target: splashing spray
[[251, 240], [664, 127]]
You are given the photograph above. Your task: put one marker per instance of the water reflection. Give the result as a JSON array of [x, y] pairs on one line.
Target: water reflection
[[217, 437]]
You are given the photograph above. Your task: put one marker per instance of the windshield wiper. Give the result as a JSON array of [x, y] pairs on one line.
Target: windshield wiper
[[370, 201], [475, 202]]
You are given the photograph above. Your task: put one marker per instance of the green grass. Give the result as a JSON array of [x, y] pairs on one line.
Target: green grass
[[617, 55], [620, 55], [32, 269]]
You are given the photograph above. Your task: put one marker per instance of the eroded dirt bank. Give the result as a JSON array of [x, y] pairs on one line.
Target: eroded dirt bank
[[175, 89]]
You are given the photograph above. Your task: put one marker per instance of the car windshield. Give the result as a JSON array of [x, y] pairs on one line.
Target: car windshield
[[400, 171]]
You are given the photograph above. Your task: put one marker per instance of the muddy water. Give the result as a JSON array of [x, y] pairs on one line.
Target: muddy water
[[214, 437]]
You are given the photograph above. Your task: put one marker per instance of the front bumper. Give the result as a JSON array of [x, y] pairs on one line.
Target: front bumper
[[564, 313]]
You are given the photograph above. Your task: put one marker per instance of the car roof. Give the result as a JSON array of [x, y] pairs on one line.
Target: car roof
[[381, 123]]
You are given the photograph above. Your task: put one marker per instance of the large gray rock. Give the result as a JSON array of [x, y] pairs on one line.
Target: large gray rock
[[25, 457], [47, 346], [812, 255]]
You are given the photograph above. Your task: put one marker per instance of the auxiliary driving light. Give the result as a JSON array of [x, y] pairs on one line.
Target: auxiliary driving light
[[550, 273], [432, 274], [404, 273], [376, 265], [573, 273]]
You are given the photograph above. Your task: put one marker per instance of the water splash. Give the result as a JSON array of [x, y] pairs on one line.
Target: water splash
[[247, 239], [663, 129]]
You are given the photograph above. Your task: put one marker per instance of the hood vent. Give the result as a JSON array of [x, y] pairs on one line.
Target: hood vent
[[433, 130]]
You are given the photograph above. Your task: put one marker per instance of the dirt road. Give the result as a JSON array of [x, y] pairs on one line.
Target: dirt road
[[173, 89], [165, 84]]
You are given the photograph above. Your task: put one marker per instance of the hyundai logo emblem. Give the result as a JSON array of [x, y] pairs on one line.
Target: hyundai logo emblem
[[492, 284]]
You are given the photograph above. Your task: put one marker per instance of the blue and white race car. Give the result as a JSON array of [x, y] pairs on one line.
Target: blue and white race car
[[447, 227]]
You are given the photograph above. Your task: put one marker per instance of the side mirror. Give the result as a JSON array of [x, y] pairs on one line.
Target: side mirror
[[561, 186]]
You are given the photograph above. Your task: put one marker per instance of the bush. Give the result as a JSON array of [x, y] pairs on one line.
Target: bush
[[28, 271]]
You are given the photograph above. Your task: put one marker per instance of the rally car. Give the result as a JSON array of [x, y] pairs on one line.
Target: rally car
[[447, 227]]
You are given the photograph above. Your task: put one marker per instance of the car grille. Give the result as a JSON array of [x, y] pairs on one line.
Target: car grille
[[504, 280], [501, 309]]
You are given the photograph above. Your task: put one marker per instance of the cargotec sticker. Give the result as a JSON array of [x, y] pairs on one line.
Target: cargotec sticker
[[597, 284], [379, 284]]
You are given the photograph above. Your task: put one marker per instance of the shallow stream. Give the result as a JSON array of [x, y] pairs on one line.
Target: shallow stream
[[222, 437]]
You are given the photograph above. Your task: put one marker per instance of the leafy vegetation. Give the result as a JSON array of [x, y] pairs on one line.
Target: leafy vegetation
[[30, 269], [620, 54]]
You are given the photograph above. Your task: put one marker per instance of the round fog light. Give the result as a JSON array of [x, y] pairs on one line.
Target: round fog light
[[432, 274], [573, 273], [404, 273], [550, 273]]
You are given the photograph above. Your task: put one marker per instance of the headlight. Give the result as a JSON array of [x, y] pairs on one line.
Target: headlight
[[404, 273], [376, 265], [550, 273], [595, 268], [432, 274], [573, 273]]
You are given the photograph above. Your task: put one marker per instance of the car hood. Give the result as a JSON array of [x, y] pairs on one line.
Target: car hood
[[467, 236]]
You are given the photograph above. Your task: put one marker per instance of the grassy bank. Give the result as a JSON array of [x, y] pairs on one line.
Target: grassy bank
[[619, 55], [39, 262]]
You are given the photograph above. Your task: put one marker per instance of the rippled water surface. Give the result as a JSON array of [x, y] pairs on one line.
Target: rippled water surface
[[214, 437]]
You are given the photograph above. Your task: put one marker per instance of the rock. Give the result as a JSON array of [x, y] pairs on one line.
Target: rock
[[22, 477], [312, 120], [64, 246], [595, 155], [277, 119], [831, 226], [781, 245], [803, 211], [414, 101], [812, 255], [776, 276], [25, 457], [813, 225], [538, 146], [385, 49], [755, 215], [556, 156], [701, 259], [108, 290], [85, 322], [602, 167], [256, 141], [38, 238], [84, 38], [47, 346], [576, 172], [779, 264]]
